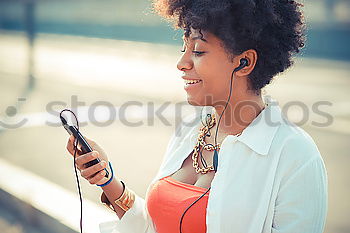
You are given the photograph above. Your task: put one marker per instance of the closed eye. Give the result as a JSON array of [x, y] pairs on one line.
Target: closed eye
[[196, 53]]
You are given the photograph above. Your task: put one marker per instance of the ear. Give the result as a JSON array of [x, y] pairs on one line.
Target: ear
[[252, 56]]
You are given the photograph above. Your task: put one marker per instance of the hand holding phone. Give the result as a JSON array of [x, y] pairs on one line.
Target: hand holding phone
[[84, 145]]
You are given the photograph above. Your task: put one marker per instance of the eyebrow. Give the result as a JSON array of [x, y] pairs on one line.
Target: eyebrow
[[196, 38]]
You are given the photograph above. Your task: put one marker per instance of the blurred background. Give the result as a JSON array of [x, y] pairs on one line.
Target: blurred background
[[94, 56]]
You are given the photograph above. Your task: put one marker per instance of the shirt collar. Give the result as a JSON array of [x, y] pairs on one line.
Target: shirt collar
[[259, 134]]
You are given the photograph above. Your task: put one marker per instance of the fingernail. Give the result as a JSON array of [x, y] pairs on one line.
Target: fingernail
[[103, 163]]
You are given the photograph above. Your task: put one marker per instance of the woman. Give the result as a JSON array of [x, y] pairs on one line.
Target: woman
[[243, 167]]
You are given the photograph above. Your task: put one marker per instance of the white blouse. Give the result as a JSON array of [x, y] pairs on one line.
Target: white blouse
[[271, 178]]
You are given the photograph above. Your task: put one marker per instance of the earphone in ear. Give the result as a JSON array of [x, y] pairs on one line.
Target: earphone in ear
[[242, 63]]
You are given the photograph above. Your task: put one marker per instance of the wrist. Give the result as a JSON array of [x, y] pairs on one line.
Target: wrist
[[124, 198], [114, 189], [110, 178]]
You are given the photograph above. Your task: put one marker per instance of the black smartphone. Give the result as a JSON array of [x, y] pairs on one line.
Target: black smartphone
[[85, 147]]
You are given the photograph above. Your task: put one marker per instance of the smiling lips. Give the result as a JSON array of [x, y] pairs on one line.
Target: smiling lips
[[189, 81]]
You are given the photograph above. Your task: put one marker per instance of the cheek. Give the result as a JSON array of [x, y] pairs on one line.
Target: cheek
[[215, 74]]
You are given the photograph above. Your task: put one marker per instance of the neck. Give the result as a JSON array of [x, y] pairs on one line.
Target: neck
[[238, 115]]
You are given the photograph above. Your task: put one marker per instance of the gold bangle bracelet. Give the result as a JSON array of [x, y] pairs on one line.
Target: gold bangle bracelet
[[125, 201]]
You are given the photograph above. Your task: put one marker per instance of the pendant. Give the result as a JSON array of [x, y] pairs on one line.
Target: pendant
[[215, 160]]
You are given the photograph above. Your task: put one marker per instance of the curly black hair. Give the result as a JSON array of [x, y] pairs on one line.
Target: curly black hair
[[275, 29]]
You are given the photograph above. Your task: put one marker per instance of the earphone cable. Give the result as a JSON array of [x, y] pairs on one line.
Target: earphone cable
[[228, 100], [214, 151], [190, 207], [76, 170], [78, 185]]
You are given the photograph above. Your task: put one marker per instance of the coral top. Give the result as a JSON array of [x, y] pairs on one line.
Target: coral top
[[169, 198]]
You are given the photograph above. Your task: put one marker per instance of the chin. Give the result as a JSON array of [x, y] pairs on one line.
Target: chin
[[200, 100], [193, 103]]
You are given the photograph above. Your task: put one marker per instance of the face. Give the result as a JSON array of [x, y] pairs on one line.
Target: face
[[208, 66]]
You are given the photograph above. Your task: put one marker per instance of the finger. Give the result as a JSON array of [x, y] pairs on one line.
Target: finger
[[97, 178], [90, 171], [91, 143], [72, 149], [74, 141], [85, 158], [71, 146], [71, 138]]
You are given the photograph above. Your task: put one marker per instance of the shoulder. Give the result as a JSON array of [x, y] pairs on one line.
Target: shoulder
[[297, 149], [297, 142]]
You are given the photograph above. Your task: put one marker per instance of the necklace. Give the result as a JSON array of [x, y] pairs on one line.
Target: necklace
[[203, 131], [201, 142]]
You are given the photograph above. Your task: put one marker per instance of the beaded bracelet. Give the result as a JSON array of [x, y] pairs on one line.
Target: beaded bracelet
[[110, 179]]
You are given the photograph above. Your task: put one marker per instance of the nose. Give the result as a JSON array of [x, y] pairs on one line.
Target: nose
[[185, 62]]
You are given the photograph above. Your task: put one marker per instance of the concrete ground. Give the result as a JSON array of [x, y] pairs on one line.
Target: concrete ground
[[9, 223], [119, 71]]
